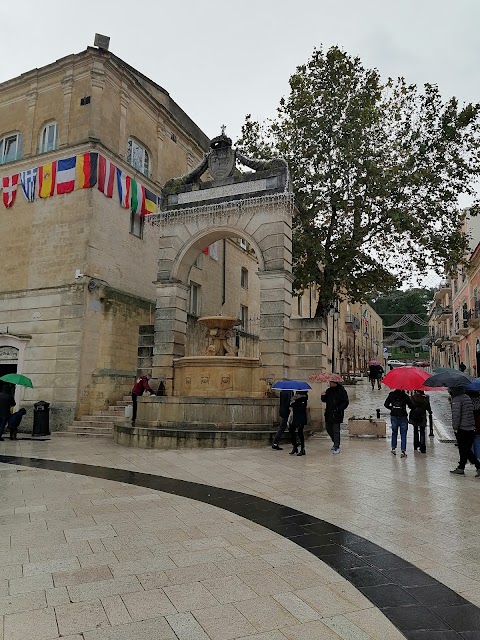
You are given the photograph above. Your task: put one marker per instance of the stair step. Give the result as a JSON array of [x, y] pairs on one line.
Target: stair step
[[85, 434], [77, 429], [122, 403], [84, 424], [114, 410], [95, 418]]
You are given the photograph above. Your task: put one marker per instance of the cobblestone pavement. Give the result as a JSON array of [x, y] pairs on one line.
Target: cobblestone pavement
[[84, 558]]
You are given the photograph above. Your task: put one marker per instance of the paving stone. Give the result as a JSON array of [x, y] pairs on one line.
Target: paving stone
[[57, 552], [90, 533], [229, 589], [132, 567], [266, 614], [224, 622], [79, 617], [22, 602], [315, 630], [157, 629], [82, 576], [143, 605], [116, 610], [104, 588], [186, 597], [50, 566], [192, 574], [38, 582], [34, 625], [154, 580], [265, 583], [56, 596], [186, 627], [296, 607]]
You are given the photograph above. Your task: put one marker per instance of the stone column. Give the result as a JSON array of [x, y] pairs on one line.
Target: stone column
[[64, 126], [98, 82], [124, 102], [31, 135], [275, 311], [170, 330]]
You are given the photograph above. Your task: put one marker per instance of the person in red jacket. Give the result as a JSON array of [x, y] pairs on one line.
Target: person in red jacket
[[141, 385]]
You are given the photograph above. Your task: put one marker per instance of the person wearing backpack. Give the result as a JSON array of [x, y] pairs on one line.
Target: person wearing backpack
[[418, 418], [397, 402]]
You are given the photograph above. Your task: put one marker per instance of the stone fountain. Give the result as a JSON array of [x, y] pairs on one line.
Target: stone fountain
[[219, 399]]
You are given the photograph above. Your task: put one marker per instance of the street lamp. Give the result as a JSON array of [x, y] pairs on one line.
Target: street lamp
[[334, 314]]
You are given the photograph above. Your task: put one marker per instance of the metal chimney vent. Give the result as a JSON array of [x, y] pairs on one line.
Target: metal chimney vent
[[102, 42]]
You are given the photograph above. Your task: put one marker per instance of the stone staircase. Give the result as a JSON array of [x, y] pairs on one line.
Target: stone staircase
[[98, 425]]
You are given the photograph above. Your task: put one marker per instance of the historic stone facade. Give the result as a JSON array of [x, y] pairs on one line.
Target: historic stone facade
[[77, 338]]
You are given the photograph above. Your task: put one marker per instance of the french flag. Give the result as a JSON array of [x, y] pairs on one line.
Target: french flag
[[66, 175]]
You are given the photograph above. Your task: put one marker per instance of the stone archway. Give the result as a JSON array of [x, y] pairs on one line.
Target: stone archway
[[258, 207]]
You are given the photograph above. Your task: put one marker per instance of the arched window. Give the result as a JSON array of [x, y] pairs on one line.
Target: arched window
[[48, 138], [138, 156], [11, 148]]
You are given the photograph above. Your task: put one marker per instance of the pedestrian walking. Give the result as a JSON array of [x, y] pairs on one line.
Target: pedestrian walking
[[336, 401], [397, 402], [7, 401], [418, 418], [475, 398], [284, 412], [463, 423], [297, 420], [375, 373], [141, 385], [462, 367]]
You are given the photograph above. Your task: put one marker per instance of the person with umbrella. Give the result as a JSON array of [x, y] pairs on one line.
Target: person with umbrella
[[397, 402], [463, 423], [336, 401], [375, 372], [284, 412], [297, 420]]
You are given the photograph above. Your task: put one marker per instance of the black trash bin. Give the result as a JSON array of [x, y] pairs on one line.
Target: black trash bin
[[41, 418]]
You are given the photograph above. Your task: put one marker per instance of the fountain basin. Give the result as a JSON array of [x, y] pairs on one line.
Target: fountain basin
[[219, 377]]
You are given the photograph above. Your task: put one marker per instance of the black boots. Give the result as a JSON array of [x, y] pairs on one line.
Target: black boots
[[293, 452]]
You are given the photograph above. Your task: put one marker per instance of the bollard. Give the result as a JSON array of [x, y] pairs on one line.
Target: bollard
[[378, 414]]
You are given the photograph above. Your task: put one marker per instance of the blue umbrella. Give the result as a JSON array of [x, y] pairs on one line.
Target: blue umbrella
[[291, 385], [474, 385]]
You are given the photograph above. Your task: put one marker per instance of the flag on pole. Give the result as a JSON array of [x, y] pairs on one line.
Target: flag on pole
[[149, 203], [123, 184], [28, 180], [213, 251], [9, 190], [138, 197], [46, 179], [365, 316], [87, 170], [106, 176], [66, 175]]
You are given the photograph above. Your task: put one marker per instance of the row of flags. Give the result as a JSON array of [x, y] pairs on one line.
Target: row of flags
[[80, 172]]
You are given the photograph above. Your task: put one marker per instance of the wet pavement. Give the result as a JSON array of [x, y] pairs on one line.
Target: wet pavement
[[103, 542]]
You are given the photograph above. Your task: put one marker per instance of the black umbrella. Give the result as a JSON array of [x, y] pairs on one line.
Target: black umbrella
[[448, 379]]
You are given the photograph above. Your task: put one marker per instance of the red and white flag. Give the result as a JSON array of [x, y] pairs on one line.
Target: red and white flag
[[106, 176], [9, 190]]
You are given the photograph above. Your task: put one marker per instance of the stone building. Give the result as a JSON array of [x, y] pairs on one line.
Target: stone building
[[77, 269]]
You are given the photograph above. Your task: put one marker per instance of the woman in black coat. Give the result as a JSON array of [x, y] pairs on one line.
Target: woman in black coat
[[298, 420]]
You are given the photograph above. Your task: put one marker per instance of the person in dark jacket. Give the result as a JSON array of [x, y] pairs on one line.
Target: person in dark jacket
[[463, 423], [418, 418], [7, 401], [284, 412], [297, 420], [141, 385], [14, 422], [397, 402], [375, 373], [336, 401]]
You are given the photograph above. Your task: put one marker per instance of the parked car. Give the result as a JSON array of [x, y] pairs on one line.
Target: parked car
[[393, 364], [421, 363]]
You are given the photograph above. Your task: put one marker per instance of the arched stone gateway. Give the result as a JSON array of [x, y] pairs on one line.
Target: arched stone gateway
[[256, 206], [218, 398]]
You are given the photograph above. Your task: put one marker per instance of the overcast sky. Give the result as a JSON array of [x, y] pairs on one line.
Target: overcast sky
[[220, 60]]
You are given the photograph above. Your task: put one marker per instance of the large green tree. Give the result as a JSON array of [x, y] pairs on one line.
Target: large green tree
[[377, 168]]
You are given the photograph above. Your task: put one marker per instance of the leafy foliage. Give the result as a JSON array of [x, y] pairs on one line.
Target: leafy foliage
[[377, 168]]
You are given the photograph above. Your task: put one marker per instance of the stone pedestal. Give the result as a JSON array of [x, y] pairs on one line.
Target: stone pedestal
[[219, 376], [366, 427]]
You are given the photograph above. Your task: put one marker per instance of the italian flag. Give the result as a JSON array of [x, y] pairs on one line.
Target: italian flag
[[138, 197]]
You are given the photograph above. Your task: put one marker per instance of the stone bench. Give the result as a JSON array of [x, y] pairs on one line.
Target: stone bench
[[367, 427]]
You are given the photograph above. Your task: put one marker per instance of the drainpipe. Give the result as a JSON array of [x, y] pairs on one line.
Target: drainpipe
[[224, 271]]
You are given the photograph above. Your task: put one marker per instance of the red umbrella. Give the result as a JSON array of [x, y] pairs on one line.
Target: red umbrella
[[374, 362], [406, 378]]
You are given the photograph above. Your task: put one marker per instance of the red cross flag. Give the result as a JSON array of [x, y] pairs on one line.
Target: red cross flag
[[9, 190]]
